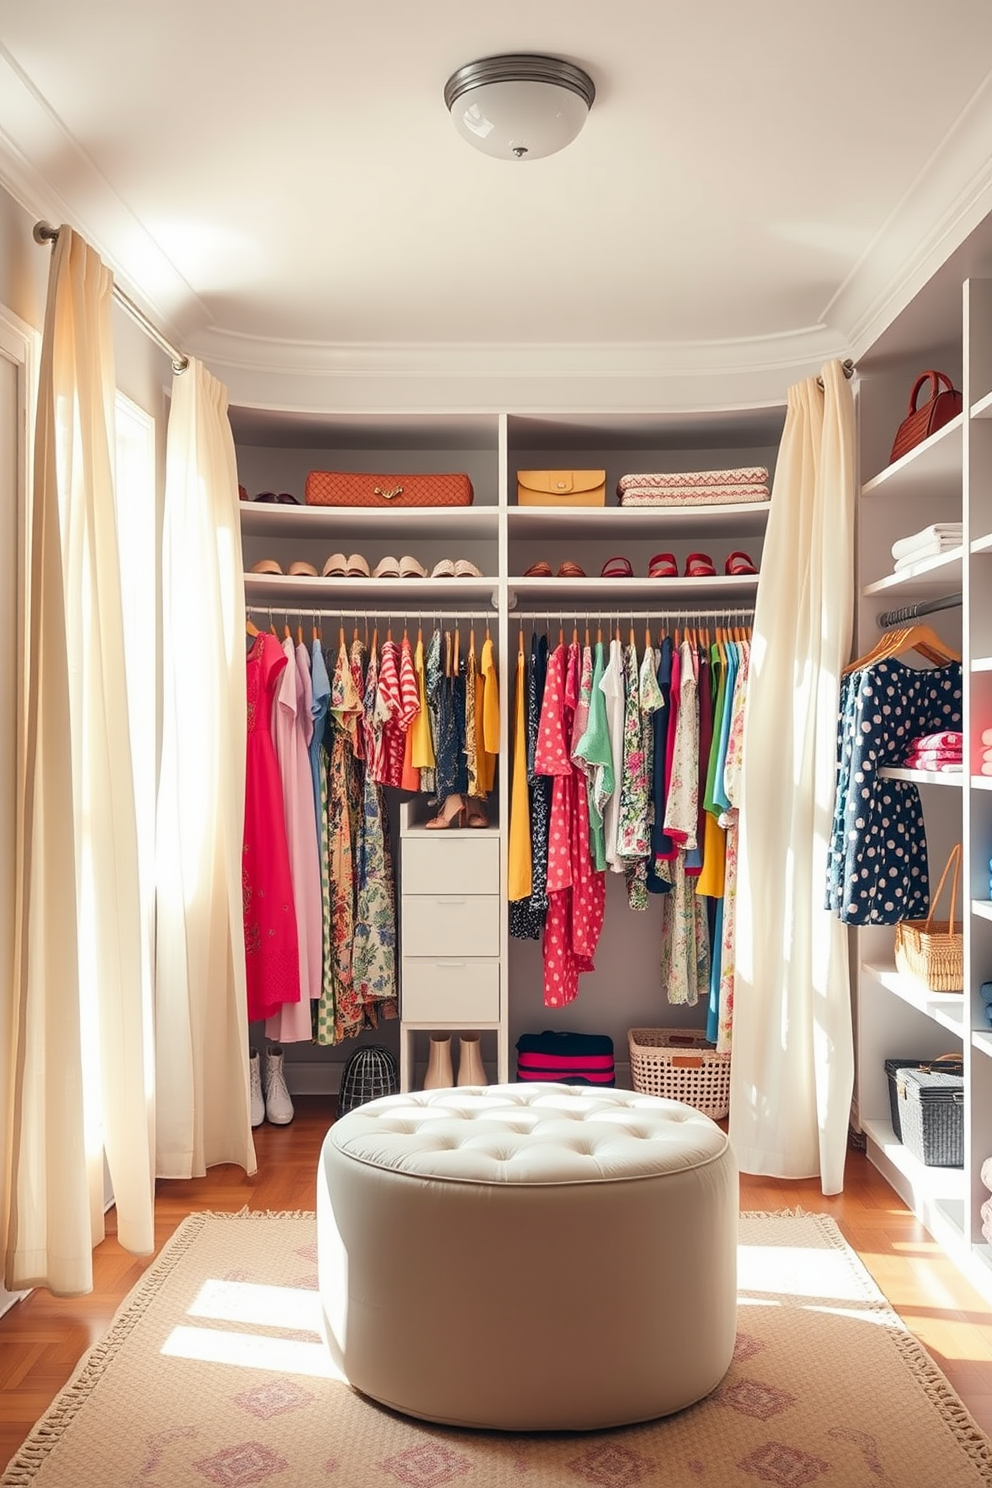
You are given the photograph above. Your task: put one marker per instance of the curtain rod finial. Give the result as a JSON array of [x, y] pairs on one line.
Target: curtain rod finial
[[44, 232]]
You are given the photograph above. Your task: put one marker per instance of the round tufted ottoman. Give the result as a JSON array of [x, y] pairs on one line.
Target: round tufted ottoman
[[528, 1257]]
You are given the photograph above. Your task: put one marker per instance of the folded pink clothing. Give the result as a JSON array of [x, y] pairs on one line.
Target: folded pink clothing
[[987, 768], [945, 766], [987, 754], [946, 739], [987, 736], [986, 1211], [985, 1173], [667, 480], [932, 760]]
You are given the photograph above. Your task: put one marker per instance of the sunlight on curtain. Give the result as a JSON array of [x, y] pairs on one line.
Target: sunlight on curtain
[[201, 1004], [792, 1072], [81, 1037]]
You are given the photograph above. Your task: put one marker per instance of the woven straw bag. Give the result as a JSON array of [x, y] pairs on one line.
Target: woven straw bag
[[931, 951]]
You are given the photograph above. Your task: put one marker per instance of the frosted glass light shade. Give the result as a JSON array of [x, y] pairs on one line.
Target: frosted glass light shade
[[521, 106]]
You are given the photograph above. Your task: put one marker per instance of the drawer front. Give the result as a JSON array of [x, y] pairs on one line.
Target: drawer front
[[449, 991], [458, 924], [451, 862]]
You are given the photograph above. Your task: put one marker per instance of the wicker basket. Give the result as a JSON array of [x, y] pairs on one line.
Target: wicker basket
[[680, 1064], [931, 1107], [931, 952]]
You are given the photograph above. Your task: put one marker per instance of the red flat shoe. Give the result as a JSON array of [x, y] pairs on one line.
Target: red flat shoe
[[699, 566], [663, 566], [617, 568], [570, 570], [539, 570], [739, 563]]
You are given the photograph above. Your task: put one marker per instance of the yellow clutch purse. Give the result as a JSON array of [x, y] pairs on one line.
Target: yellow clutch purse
[[561, 487]]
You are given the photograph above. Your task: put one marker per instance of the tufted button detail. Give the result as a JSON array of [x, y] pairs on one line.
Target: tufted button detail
[[545, 1134]]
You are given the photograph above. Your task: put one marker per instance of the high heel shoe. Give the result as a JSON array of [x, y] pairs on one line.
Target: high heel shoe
[[475, 813], [452, 814]]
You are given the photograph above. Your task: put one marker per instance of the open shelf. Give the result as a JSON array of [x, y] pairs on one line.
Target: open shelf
[[934, 463], [929, 576], [945, 1008]]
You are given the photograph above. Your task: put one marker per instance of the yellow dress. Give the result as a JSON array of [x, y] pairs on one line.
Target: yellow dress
[[519, 856]]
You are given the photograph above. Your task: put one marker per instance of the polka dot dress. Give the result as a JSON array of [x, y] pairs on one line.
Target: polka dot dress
[[877, 871]]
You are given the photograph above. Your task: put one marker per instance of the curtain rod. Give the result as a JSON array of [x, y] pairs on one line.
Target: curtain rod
[[44, 232], [914, 611], [847, 367]]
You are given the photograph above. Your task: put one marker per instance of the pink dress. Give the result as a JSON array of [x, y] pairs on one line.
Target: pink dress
[[576, 891], [292, 726], [272, 958]]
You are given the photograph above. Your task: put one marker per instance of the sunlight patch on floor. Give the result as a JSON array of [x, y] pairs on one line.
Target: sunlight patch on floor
[[249, 1302], [252, 1351]]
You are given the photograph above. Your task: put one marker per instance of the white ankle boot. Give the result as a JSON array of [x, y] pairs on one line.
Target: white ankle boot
[[255, 1088], [278, 1106]]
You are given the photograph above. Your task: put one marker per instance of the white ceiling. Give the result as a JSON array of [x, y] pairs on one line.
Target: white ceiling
[[280, 186]]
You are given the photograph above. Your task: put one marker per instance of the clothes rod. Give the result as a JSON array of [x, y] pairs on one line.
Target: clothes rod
[[399, 612], [527, 617], [914, 611], [44, 232]]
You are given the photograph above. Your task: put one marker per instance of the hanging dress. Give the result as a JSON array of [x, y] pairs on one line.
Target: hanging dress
[[575, 891], [292, 726], [527, 916], [272, 953]]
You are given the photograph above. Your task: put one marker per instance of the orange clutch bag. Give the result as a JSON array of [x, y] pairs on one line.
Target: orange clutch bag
[[561, 487]]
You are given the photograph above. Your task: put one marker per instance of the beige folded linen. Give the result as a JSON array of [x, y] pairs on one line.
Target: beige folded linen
[[986, 1174], [691, 495], [668, 480]]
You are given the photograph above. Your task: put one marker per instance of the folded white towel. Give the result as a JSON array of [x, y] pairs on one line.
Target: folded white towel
[[910, 560], [927, 535], [986, 1173]]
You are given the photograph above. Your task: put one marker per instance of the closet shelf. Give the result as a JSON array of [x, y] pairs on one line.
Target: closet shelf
[[619, 523], [981, 664], [982, 908], [924, 470], [944, 1186], [275, 589], [945, 1008], [982, 544], [982, 408], [269, 519], [929, 576], [981, 782], [923, 777], [616, 594], [981, 1039]]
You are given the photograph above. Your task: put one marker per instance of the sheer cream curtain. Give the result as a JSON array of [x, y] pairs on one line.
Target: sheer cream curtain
[[82, 1043], [201, 1006], [793, 1063]]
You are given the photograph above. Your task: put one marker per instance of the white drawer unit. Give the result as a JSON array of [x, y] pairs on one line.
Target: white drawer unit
[[450, 991], [450, 924], [464, 862]]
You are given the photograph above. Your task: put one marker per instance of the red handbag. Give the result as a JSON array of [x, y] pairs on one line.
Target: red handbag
[[356, 488], [943, 404]]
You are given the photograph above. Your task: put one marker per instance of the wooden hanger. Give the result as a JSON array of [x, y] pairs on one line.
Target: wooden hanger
[[251, 628], [902, 639]]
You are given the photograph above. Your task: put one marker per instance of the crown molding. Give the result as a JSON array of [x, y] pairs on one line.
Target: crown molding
[[950, 196], [479, 376]]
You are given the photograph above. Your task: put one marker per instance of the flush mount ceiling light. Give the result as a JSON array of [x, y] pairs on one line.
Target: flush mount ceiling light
[[520, 106]]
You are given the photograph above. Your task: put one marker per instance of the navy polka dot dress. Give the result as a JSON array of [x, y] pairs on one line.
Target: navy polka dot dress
[[877, 871]]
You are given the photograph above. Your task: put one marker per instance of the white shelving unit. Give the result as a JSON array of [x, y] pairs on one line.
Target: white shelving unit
[[947, 478], [503, 990]]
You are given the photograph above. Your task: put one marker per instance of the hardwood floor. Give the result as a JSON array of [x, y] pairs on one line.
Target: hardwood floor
[[43, 1337]]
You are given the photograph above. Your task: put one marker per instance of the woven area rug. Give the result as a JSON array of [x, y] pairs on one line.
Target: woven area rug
[[213, 1372]]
